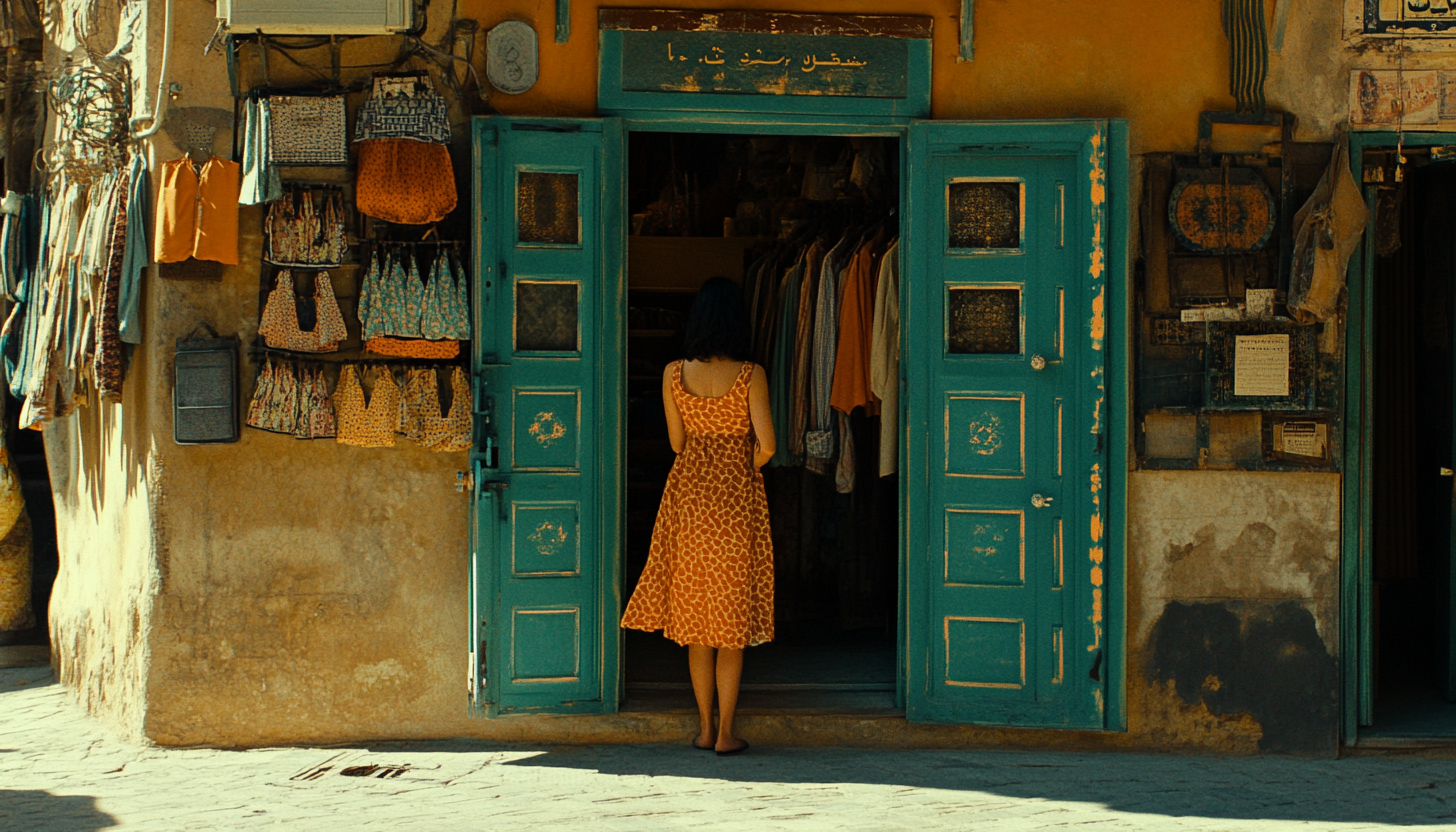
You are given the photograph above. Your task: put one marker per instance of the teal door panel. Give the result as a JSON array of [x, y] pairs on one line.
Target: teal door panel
[[546, 352], [1005, 566]]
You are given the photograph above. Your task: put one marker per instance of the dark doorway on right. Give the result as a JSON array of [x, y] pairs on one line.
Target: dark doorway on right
[[1411, 428]]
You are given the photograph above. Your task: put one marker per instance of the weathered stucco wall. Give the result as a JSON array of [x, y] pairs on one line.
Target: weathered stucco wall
[[279, 590], [1233, 617]]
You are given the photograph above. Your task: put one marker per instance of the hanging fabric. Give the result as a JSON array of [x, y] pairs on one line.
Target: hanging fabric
[[197, 212], [137, 255], [108, 363], [260, 180], [403, 108], [302, 233], [367, 422], [885, 358], [307, 130], [453, 432], [405, 181], [279, 326]]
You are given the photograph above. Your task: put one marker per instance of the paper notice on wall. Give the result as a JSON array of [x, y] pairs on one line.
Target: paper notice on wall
[[1261, 365], [1300, 439]]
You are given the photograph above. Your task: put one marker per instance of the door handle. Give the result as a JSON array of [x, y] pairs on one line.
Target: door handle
[[1038, 363], [1038, 501], [498, 488]]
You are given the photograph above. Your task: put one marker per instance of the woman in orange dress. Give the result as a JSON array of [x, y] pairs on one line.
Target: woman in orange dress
[[708, 582]]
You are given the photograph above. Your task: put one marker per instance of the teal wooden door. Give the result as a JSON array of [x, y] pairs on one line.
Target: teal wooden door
[[548, 450], [1005, 562]]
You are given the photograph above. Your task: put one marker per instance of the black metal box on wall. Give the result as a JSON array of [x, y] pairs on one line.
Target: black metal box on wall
[[205, 391]]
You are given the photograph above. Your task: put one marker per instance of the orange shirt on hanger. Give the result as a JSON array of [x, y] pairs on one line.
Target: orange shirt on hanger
[[197, 212]]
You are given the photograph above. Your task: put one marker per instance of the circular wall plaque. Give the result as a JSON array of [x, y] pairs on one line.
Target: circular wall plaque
[[510, 57]]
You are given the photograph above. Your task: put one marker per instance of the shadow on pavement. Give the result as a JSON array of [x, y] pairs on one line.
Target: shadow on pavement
[[1360, 790], [38, 811]]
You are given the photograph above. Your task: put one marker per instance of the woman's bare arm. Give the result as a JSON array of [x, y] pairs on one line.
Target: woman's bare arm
[[762, 417], [676, 434]]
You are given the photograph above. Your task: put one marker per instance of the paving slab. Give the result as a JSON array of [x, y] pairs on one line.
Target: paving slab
[[62, 771]]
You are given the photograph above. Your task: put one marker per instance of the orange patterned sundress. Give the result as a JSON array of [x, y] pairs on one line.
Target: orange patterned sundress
[[709, 576]]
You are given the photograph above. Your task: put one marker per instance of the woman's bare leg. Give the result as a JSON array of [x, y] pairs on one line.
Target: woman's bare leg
[[700, 665], [730, 670]]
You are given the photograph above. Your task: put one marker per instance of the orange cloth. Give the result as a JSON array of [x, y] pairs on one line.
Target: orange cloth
[[197, 212], [405, 181], [412, 347], [709, 576], [851, 387]]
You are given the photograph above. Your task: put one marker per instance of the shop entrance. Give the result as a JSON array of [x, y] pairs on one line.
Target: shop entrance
[[766, 211], [976, 583], [1412, 674]]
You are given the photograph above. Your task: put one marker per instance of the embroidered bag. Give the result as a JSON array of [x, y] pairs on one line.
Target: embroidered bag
[[308, 130], [404, 108]]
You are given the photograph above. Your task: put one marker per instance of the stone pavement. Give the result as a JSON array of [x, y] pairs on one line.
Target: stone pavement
[[59, 770]]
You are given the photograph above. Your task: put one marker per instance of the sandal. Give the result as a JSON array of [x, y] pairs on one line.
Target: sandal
[[739, 750], [694, 744]]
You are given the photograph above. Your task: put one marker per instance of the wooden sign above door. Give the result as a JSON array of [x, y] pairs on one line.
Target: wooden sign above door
[[749, 61]]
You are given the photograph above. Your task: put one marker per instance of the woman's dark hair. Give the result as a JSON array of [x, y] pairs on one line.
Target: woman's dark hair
[[718, 325]]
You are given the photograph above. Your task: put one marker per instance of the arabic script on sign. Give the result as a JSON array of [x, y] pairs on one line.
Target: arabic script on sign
[[716, 56]]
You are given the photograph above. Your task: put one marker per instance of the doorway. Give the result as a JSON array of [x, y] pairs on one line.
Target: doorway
[[1411, 454], [766, 211]]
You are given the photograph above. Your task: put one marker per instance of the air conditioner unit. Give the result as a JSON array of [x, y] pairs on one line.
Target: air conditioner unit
[[317, 17]]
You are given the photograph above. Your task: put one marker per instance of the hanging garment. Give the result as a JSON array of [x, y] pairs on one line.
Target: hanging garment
[[318, 408], [844, 468], [403, 108], [1327, 230], [453, 432], [457, 312], [197, 212], [308, 130], [801, 400], [259, 409], [279, 326], [302, 234], [412, 347], [137, 255], [710, 570], [819, 441], [366, 422], [419, 401], [260, 180], [438, 318], [851, 387], [414, 301], [780, 373], [405, 181], [885, 358], [108, 363]]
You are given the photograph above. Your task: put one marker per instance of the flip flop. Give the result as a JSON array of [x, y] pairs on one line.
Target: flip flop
[[694, 744], [739, 750]]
